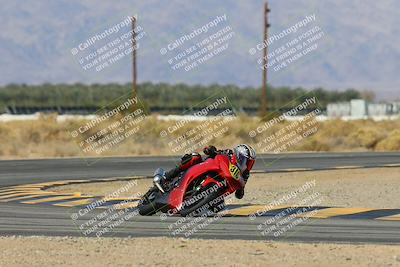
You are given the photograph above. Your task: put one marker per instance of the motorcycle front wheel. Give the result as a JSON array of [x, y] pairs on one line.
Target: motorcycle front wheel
[[147, 206], [203, 204]]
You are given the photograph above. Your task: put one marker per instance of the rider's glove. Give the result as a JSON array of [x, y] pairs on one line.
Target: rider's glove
[[239, 193], [210, 151], [246, 175], [186, 158]]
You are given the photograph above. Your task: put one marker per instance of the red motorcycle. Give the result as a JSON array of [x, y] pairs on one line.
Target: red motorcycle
[[202, 188]]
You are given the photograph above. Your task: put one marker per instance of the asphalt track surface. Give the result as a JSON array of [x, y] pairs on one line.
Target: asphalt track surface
[[14, 172], [20, 219]]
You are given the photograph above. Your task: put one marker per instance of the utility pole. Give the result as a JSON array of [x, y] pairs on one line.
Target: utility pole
[[134, 70], [263, 107]]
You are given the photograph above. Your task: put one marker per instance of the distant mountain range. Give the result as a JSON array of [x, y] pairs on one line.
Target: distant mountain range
[[359, 48]]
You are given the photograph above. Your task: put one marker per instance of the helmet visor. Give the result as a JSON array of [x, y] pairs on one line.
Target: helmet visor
[[241, 161]]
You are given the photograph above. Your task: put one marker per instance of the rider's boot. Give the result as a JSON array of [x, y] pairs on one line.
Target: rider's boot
[[187, 161], [161, 181]]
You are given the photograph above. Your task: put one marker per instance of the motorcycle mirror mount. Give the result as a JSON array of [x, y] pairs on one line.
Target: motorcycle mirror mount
[[159, 176]]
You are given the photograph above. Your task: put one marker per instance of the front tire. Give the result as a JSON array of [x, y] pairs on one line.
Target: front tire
[[202, 204], [147, 205]]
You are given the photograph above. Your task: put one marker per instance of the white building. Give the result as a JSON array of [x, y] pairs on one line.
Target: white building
[[338, 110], [358, 109], [396, 107], [380, 109], [361, 109]]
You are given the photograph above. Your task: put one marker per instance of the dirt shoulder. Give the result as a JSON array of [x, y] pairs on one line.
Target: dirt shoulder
[[378, 188], [78, 251], [370, 188]]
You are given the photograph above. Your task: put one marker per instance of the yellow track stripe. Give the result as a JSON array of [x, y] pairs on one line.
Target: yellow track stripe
[[50, 199], [11, 192], [74, 203], [19, 198], [20, 191], [32, 195], [4, 190], [18, 194], [27, 188], [38, 192], [246, 211], [390, 218], [125, 205], [331, 212]]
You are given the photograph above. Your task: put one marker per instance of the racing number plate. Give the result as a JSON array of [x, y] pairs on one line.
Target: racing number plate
[[234, 171]]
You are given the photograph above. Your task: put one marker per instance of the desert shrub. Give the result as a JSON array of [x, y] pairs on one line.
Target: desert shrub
[[47, 137], [390, 143]]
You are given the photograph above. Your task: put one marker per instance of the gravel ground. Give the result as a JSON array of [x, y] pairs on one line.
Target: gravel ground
[[369, 188], [79, 251]]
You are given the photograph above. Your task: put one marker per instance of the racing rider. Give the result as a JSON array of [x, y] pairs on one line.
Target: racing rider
[[243, 156]]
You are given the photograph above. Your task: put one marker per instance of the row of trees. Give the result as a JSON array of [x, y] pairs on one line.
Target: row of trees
[[160, 95]]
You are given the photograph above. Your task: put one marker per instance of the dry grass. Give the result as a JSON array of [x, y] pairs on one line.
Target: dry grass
[[360, 135], [48, 138]]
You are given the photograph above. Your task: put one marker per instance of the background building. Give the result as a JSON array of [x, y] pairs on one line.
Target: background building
[[361, 109]]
